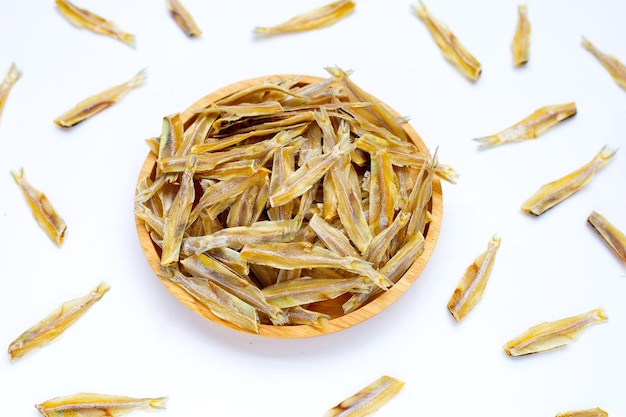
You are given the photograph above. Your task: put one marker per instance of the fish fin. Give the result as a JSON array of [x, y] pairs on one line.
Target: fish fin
[[487, 142]]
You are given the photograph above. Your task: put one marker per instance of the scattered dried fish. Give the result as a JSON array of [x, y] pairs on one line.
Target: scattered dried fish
[[314, 19], [55, 323], [612, 64], [554, 334], [43, 211], [90, 404], [556, 191], [473, 283], [611, 235], [591, 412], [98, 102], [521, 40], [8, 82], [182, 17], [369, 399], [531, 126], [450, 46], [87, 20]]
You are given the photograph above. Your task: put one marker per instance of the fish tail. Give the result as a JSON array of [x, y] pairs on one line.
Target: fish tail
[[14, 73], [487, 142], [446, 173], [606, 153], [139, 78], [128, 39], [158, 403]]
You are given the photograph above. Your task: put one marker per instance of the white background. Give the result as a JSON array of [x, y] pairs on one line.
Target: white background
[[140, 341]]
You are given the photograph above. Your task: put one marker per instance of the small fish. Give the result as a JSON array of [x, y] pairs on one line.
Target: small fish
[[591, 412], [369, 399], [521, 42], [554, 334], [43, 211], [314, 19], [87, 20], [55, 323], [473, 283], [8, 82], [556, 191], [612, 236], [612, 64], [450, 46], [305, 290], [184, 20], [531, 126], [97, 405], [98, 102]]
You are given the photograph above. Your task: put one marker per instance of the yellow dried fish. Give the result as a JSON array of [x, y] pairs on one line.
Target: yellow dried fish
[[184, 20], [531, 126], [7, 84], [300, 315], [473, 283], [43, 211], [98, 102], [554, 334], [314, 19], [450, 46], [333, 238], [55, 323], [521, 40], [611, 235], [305, 290], [87, 20], [612, 64], [97, 405], [369, 399], [591, 412], [556, 191]]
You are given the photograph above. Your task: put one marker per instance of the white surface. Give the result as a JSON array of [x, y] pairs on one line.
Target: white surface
[[139, 340]]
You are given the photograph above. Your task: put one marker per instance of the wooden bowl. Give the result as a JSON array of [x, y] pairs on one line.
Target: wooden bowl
[[339, 320]]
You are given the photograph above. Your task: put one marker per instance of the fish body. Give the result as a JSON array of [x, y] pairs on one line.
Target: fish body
[[97, 405], [531, 126], [556, 191], [369, 399], [7, 84], [55, 323], [98, 102], [44, 213], [521, 40], [612, 64], [87, 20], [590, 412], [183, 18], [611, 235]]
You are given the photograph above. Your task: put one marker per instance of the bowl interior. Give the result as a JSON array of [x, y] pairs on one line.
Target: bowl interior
[[338, 320]]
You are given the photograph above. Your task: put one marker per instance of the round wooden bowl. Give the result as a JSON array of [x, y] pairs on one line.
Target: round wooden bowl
[[338, 320]]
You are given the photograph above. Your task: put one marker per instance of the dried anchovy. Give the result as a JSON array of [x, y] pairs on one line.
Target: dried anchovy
[[612, 64], [591, 412], [83, 404], [7, 84], [183, 19], [611, 235], [521, 41], [369, 399]]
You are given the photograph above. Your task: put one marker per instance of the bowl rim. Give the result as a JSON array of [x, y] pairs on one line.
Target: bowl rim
[[381, 302]]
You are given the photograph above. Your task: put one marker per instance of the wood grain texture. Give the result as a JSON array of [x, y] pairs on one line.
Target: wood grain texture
[[339, 321]]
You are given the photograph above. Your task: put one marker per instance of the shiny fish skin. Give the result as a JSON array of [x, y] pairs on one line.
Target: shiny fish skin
[[610, 63], [305, 290], [183, 18], [87, 20], [552, 335], [54, 324], [44, 213], [611, 235], [369, 399], [590, 412], [450, 46], [521, 40], [97, 405], [98, 102], [313, 19], [531, 126], [474, 281], [556, 191], [7, 84]]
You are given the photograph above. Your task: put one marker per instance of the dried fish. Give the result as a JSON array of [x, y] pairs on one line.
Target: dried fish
[[53, 325], [98, 102], [306, 290], [591, 412], [473, 283], [450, 46], [184, 20], [554, 334], [87, 20], [93, 405], [611, 235], [612, 64], [521, 40], [314, 19], [300, 315], [7, 84], [556, 191], [43, 211], [369, 399], [531, 126]]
